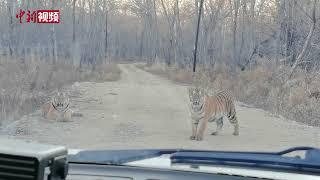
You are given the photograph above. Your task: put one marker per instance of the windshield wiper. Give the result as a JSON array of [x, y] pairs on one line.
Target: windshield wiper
[[274, 160]]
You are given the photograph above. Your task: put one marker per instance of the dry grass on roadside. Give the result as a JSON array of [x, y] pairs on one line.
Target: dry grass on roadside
[[263, 86], [106, 72], [24, 86], [174, 73]]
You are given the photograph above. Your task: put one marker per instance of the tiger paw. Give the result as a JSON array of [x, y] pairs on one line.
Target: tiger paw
[[198, 138], [192, 137], [214, 133], [236, 134]]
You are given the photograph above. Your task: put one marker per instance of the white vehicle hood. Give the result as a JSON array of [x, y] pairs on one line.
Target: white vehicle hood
[[164, 162]]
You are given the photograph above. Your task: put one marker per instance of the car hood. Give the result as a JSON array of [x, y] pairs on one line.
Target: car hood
[[163, 159]]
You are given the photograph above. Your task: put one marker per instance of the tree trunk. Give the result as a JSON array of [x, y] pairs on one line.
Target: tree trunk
[[156, 29], [306, 44], [178, 31], [10, 11], [197, 37], [53, 39], [171, 49], [234, 32], [74, 22], [106, 32]]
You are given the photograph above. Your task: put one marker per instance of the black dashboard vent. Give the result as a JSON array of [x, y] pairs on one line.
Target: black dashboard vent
[[14, 167]]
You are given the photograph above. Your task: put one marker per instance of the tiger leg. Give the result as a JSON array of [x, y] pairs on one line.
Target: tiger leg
[[233, 120], [67, 115], [194, 124], [51, 115], [44, 114], [45, 109], [236, 129], [202, 128], [219, 126], [194, 130]]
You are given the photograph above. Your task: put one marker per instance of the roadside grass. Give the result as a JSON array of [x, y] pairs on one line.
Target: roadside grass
[[263, 86], [24, 86]]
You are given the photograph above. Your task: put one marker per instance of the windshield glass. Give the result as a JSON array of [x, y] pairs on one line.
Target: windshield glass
[[158, 74]]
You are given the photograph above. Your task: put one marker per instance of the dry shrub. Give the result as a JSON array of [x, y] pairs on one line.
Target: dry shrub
[[266, 88], [157, 68], [263, 86], [174, 73], [297, 96], [107, 72], [24, 86], [254, 85], [181, 76]]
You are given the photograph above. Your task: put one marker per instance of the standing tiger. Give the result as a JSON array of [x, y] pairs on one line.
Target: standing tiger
[[58, 108], [205, 108]]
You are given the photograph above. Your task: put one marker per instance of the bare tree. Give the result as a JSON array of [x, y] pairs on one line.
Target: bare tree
[[53, 38], [197, 36], [106, 30], [307, 42], [74, 21], [236, 6], [11, 26], [238, 32]]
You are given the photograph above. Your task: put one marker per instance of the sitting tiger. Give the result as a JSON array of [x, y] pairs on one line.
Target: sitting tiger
[[205, 108], [58, 108]]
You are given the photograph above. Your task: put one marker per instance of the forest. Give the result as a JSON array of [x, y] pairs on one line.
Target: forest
[[265, 51]]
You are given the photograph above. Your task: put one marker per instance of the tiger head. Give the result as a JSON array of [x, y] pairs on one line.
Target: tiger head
[[60, 101], [196, 96]]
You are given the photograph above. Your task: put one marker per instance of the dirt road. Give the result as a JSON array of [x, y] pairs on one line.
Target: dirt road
[[146, 111]]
